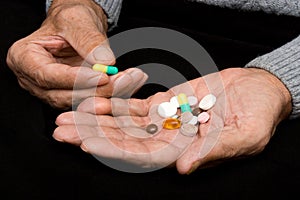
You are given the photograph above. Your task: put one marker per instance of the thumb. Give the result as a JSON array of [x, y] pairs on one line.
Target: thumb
[[101, 54], [89, 42], [93, 46], [83, 26]]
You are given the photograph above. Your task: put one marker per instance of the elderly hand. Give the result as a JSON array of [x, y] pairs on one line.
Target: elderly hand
[[250, 104], [48, 63]]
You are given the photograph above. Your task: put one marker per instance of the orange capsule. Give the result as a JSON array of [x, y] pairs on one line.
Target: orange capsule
[[171, 124]]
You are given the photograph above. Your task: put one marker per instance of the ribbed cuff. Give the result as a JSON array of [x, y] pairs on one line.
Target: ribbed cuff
[[112, 8], [279, 7], [284, 63]]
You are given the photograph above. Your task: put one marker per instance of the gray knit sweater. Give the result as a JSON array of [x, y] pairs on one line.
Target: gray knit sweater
[[283, 62]]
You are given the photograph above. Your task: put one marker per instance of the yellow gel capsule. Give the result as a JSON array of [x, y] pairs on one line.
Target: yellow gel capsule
[[184, 103], [171, 124], [105, 69]]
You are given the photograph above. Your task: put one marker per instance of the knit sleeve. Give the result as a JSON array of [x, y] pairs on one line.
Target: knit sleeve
[[279, 7], [112, 9], [284, 63]]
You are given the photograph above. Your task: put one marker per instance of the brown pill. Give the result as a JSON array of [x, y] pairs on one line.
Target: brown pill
[[196, 111], [151, 128]]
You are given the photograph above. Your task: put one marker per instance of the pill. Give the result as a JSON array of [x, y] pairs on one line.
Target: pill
[[203, 117], [171, 124], [183, 103], [193, 101], [207, 102], [189, 130], [186, 117], [196, 111], [166, 109], [174, 101], [151, 128], [194, 120], [175, 116], [105, 69]]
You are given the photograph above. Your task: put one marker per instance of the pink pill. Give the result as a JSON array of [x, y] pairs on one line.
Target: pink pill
[[203, 117]]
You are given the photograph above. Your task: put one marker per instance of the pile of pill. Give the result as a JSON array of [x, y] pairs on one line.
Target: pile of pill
[[185, 113]]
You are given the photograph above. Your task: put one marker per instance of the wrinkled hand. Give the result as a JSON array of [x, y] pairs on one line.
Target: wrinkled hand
[[48, 63], [250, 104]]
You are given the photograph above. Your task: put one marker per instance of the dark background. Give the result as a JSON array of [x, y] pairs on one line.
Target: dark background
[[34, 166]]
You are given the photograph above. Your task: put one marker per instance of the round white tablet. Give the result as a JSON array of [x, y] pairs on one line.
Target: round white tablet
[[207, 102], [174, 101], [166, 109]]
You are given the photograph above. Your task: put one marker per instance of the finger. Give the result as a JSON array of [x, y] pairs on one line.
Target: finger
[[82, 118], [56, 45], [128, 84], [70, 134], [75, 134], [63, 98], [121, 84], [115, 106], [61, 50], [60, 98], [88, 39]]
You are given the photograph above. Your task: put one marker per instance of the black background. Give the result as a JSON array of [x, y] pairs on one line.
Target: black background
[[34, 166]]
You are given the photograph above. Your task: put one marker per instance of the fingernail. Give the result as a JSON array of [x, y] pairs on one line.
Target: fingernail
[[104, 55], [83, 148], [193, 168], [54, 135], [136, 74], [100, 79]]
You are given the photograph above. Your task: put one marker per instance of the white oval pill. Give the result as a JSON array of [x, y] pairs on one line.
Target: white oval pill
[[175, 117], [207, 102], [203, 117], [174, 101], [166, 109], [192, 100]]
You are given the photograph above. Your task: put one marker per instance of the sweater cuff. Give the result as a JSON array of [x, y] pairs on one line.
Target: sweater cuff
[[284, 63], [112, 8]]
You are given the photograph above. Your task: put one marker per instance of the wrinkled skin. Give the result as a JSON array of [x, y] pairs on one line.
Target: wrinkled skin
[[48, 63], [250, 104]]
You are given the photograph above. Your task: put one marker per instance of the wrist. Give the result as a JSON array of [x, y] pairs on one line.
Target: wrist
[[283, 93]]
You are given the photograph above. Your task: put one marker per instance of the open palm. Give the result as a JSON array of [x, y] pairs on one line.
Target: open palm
[[250, 104]]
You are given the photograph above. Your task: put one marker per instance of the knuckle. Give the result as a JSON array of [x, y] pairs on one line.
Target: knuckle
[[57, 101], [14, 54], [39, 77]]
